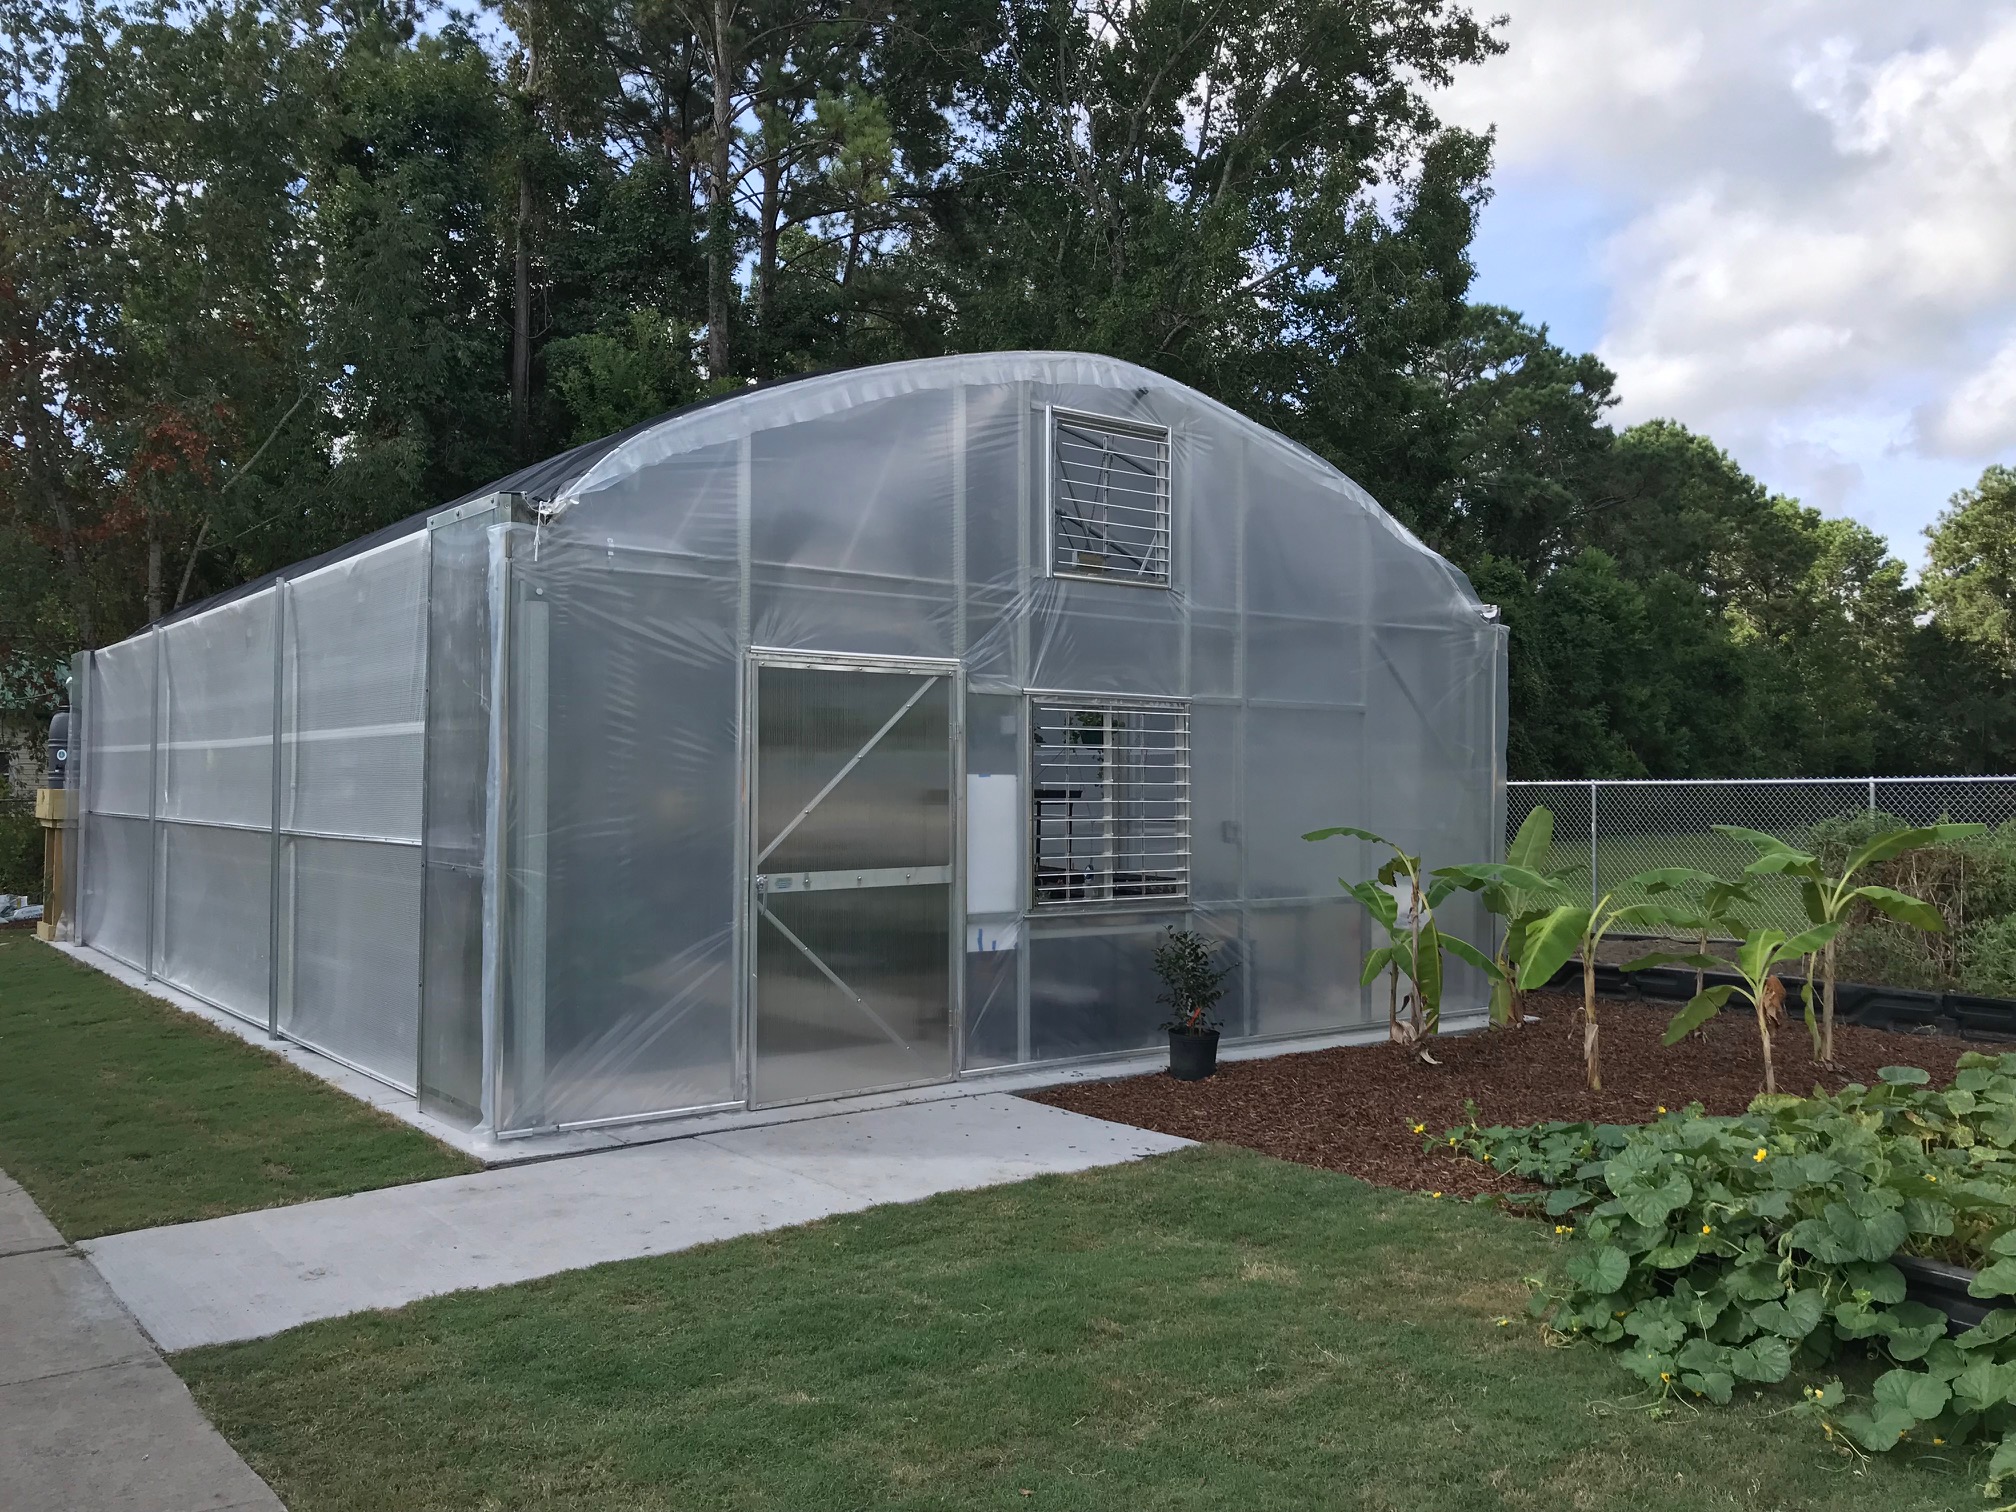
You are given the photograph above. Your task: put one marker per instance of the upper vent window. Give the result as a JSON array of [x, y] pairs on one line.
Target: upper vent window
[[1109, 499]]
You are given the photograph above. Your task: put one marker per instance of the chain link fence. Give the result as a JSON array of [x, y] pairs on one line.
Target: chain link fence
[[1613, 830]]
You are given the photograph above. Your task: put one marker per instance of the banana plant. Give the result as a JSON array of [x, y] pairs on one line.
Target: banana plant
[[1571, 928], [1828, 900], [1710, 910], [1761, 950], [1415, 943], [1522, 892]]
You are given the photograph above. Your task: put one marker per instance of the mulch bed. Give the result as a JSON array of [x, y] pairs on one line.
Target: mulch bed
[[1353, 1109]]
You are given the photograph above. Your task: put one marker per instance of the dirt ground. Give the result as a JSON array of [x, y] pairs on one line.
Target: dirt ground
[[1354, 1109]]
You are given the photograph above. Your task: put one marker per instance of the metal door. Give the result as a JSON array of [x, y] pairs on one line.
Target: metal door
[[851, 879]]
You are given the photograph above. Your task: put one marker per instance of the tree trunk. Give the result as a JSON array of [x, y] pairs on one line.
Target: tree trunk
[[521, 321], [48, 473], [1591, 1053], [720, 208], [1393, 1004], [766, 257], [154, 605], [1698, 976]]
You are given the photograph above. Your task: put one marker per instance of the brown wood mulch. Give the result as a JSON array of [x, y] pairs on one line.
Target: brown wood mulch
[[1354, 1109]]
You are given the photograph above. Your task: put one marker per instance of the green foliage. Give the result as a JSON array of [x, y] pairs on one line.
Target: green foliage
[[1969, 882], [1569, 929], [1415, 942], [20, 850], [1715, 1251], [1522, 892], [1831, 894], [1193, 983]]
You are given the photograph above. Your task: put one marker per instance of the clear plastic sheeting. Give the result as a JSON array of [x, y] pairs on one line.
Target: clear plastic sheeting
[[688, 841]]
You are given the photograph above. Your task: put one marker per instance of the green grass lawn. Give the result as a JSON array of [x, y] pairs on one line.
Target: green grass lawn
[[1212, 1329], [118, 1112]]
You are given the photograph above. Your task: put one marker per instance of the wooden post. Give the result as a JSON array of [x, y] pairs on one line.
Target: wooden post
[[52, 810]]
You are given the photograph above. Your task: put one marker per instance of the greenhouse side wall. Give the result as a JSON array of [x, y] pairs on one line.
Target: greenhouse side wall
[[1332, 669], [300, 914]]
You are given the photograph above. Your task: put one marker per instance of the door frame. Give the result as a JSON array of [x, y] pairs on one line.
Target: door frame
[[747, 916]]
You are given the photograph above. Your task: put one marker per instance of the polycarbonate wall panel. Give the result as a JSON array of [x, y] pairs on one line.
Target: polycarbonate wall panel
[[457, 762], [351, 716], [122, 728], [215, 918], [1304, 960], [1094, 994], [115, 887], [216, 762], [350, 952], [629, 804]]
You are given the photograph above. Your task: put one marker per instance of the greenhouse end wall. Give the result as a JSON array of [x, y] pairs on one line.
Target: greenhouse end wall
[[590, 726]]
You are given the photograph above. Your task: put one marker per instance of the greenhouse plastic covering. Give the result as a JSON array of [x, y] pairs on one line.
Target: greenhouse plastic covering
[[857, 732]]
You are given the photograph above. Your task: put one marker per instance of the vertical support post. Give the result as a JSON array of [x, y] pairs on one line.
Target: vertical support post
[[494, 799], [742, 956], [275, 894], [527, 844], [1024, 597], [83, 707], [154, 857], [956, 1004], [1594, 896], [1872, 795]]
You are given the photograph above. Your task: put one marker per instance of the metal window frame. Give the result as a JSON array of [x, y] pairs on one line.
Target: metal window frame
[[1037, 906], [1147, 429]]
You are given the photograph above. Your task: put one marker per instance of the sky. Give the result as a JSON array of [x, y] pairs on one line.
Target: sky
[[1788, 224]]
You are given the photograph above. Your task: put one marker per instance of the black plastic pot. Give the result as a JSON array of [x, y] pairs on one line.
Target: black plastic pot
[[1192, 1057], [1937, 1284]]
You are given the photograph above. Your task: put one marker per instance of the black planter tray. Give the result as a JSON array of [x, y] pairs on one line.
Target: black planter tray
[[1937, 1284], [1901, 1009]]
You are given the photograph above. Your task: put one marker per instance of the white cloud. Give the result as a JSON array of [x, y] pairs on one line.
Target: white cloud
[[1811, 250]]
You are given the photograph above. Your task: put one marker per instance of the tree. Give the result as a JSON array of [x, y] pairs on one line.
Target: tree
[[1970, 567]]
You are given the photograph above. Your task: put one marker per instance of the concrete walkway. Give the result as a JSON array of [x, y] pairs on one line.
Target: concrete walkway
[[89, 1416], [254, 1274]]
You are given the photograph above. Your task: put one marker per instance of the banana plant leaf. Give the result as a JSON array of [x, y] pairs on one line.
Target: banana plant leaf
[[1697, 1012], [1550, 942]]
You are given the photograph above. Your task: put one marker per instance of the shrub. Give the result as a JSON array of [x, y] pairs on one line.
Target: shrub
[[1972, 884], [20, 850], [1713, 1251]]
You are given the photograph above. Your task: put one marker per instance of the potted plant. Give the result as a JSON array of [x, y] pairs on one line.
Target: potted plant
[[1186, 962]]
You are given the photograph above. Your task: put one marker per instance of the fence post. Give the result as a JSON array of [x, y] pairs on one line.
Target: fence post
[[1592, 844], [1872, 795]]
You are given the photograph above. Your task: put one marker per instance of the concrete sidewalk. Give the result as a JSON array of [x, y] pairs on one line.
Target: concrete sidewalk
[[89, 1416], [254, 1274]]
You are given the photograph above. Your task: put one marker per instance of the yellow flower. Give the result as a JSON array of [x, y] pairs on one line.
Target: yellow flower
[[1452, 1141], [1564, 1228], [1504, 1322], [1937, 1440], [1434, 1194], [1761, 1153], [1420, 1128], [1933, 1179], [1665, 1375], [1707, 1228], [1662, 1107]]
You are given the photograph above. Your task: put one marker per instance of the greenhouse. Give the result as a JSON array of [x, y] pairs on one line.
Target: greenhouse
[[856, 732]]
